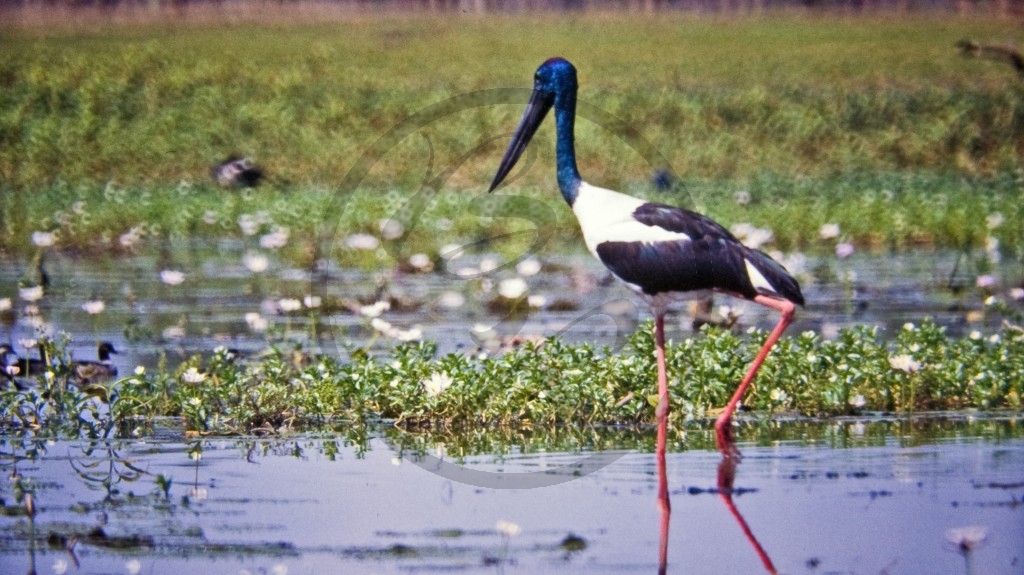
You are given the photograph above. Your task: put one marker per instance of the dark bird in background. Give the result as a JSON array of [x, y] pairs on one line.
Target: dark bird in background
[[14, 367], [19, 366], [663, 180], [237, 172], [86, 372], [663, 253], [1007, 54], [35, 274]]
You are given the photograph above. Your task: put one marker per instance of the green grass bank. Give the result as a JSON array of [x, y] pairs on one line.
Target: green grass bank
[[878, 125]]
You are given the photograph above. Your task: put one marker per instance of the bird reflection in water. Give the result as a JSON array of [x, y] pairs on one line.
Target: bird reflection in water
[[725, 490]]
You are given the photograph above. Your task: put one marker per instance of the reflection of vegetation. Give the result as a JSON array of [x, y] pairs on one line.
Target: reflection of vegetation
[[552, 384], [846, 432], [101, 466]]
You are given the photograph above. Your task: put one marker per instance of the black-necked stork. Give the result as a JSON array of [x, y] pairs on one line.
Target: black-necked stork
[[662, 252]]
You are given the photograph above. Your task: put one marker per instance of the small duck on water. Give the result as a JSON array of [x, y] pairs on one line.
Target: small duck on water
[[86, 372], [15, 365]]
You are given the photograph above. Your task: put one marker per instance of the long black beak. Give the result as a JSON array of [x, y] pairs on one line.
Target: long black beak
[[540, 102]]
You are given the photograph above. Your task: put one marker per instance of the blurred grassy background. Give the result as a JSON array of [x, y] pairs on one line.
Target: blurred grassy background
[[811, 115]]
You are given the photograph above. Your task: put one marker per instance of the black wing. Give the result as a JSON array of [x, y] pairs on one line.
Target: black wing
[[713, 259], [682, 221]]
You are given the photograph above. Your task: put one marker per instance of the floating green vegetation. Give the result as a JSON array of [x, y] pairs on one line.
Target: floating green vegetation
[[549, 384]]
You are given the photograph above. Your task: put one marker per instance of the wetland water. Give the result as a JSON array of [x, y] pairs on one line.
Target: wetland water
[[146, 319], [863, 495]]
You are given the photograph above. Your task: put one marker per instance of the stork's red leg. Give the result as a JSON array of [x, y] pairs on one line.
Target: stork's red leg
[[659, 342], [664, 505], [663, 433], [726, 477], [662, 413], [723, 429]]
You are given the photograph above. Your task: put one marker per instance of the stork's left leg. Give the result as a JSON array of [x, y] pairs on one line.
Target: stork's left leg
[[664, 504], [723, 427]]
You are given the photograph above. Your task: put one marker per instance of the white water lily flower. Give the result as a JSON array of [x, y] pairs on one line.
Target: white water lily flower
[[256, 322], [528, 267], [312, 301], [965, 539], [172, 277], [362, 242], [193, 375], [450, 251], [488, 264], [288, 304], [94, 307], [858, 401], [437, 383], [174, 332], [375, 309], [130, 238], [904, 363], [391, 229], [414, 334], [507, 529], [512, 288], [751, 235], [421, 262], [31, 293], [275, 239], [451, 300], [44, 239], [828, 231], [844, 250], [249, 224], [255, 262], [5, 303]]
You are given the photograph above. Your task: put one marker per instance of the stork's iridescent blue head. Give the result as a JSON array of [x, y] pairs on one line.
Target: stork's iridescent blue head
[[554, 85]]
